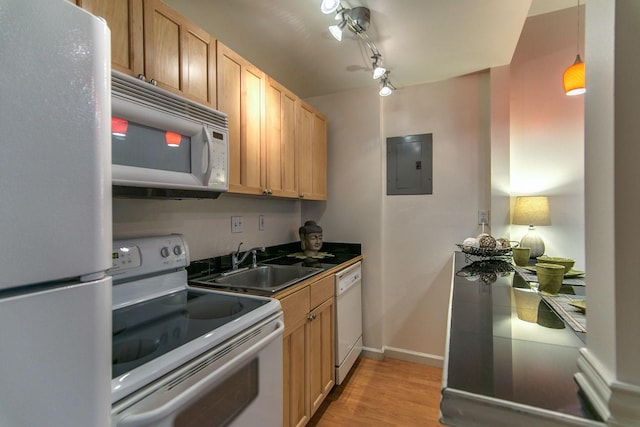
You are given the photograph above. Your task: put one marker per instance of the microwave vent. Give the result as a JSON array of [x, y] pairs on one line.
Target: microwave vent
[[137, 91]]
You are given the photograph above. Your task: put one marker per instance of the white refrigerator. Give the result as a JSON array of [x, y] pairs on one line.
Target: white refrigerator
[[55, 216]]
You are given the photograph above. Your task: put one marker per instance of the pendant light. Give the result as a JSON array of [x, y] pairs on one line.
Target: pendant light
[[573, 77]]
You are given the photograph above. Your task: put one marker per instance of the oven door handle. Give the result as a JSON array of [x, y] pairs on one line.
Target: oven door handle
[[170, 409]]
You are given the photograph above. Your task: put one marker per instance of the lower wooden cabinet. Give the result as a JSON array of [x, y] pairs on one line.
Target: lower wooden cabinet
[[308, 353]]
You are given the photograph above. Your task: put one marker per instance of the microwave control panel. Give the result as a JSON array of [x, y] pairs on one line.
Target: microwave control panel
[[219, 162]]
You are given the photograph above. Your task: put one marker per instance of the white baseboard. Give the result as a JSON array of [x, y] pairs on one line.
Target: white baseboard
[[401, 354], [617, 403]]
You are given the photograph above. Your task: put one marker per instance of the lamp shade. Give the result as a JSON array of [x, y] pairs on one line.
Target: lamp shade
[[573, 78], [531, 210]]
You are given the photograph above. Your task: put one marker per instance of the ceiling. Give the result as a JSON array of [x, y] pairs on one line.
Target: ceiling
[[420, 40]]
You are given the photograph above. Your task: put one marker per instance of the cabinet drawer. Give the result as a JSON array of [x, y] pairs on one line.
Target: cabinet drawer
[[322, 290], [295, 308]]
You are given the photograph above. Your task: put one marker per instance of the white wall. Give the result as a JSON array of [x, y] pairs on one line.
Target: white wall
[[420, 231], [353, 211], [407, 240], [547, 135], [500, 152], [206, 224], [609, 366]]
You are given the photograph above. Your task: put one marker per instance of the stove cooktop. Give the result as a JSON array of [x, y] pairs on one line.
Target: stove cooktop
[[150, 329]]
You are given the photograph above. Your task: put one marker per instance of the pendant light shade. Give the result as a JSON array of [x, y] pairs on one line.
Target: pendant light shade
[[573, 78]]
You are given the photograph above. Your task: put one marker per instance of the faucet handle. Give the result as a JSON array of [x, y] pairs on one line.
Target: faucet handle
[[238, 251]]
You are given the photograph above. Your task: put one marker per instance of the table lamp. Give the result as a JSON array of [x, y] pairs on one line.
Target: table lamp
[[532, 211]]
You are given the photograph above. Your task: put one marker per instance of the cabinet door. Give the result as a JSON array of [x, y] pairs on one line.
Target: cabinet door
[[295, 308], [312, 158], [199, 65], [296, 412], [162, 35], [321, 353], [241, 88], [281, 108], [124, 18], [179, 55]]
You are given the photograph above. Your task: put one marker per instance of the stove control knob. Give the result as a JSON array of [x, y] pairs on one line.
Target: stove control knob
[[177, 250], [164, 252]]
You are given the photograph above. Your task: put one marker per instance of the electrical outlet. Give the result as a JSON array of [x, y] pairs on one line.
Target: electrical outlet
[[483, 217], [236, 224], [261, 223]]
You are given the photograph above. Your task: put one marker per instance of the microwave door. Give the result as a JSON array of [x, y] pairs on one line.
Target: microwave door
[[208, 168]]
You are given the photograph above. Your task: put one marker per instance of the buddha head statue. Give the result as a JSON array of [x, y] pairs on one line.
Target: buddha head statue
[[310, 238]]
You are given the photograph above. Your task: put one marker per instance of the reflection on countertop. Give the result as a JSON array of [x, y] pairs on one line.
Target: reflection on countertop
[[510, 358]]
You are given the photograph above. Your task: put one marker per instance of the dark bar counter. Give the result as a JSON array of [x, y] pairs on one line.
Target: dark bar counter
[[510, 359]]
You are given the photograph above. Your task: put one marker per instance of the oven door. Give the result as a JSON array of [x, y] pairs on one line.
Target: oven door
[[238, 383]]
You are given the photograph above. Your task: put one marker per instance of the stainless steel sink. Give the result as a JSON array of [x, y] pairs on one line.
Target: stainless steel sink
[[263, 279]]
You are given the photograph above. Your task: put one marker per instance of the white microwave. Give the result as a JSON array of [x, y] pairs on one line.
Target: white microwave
[[164, 145]]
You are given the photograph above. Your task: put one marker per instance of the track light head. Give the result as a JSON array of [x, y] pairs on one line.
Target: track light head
[[378, 70], [329, 6], [336, 30], [386, 87]]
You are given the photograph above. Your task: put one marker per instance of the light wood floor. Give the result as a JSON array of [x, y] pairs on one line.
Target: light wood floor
[[390, 392]]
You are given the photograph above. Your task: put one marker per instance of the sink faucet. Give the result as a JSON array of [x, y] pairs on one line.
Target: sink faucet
[[237, 259]]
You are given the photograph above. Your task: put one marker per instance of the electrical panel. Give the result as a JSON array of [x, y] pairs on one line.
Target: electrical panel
[[410, 164]]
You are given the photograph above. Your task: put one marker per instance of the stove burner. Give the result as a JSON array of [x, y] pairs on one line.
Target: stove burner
[[213, 309], [133, 349]]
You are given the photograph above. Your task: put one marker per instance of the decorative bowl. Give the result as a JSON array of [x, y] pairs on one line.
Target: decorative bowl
[[485, 252], [567, 263]]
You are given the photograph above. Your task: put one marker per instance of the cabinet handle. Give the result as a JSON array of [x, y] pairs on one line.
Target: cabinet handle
[[301, 196], [153, 82], [142, 77], [312, 316]]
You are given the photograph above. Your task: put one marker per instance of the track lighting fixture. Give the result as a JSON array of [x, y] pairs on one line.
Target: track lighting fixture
[[357, 20], [386, 88], [378, 70]]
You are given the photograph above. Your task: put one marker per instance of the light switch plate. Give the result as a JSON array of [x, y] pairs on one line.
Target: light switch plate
[[261, 223], [236, 224], [483, 217]]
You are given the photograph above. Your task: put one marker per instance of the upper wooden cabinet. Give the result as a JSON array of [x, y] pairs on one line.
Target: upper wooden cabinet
[[178, 55], [124, 18], [281, 162], [149, 38], [312, 153], [241, 91], [277, 143]]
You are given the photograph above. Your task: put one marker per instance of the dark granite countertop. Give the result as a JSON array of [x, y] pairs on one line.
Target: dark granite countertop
[[285, 254], [510, 359]]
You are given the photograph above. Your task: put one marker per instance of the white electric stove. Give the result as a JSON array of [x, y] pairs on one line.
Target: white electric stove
[[182, 354]]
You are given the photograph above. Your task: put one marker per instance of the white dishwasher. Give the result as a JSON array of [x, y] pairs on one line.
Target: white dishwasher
[[348, 309]]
